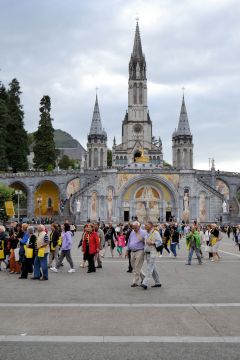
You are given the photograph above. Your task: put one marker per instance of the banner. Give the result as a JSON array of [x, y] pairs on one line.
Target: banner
[[9, 208]]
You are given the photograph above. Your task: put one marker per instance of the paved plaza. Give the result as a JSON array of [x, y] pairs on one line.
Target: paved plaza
[[195, 315]]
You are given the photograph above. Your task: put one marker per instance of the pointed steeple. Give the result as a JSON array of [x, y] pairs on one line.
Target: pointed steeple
[[183, 124], [137, 64], [137, 47], [96, 125]]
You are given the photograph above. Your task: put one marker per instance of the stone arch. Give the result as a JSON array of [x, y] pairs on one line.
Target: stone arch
[[44, 191], [73, 186], [223, 188], [169, 203]]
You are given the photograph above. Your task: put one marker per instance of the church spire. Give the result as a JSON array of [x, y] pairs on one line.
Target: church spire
[[183, 124], [96, 125], [137, 47], [137, 64]]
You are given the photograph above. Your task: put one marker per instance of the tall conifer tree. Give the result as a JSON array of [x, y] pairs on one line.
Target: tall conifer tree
[[17, 141], [44, 147], [4, 119]]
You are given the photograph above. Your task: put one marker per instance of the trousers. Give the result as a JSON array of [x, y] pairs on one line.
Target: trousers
[[67, 254], [137, 259], [151, 271]]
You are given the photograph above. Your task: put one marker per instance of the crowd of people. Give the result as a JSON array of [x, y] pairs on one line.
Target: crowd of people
[[25, 249]]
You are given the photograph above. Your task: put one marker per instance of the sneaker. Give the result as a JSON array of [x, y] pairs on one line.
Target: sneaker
[[71, 270], [170, 255], [54, 269], [160, 255]]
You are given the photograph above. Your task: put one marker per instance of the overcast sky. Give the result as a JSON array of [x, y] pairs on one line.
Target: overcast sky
[[65, 49]]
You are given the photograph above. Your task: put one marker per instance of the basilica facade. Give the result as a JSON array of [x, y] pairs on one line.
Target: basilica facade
[[139, 184]]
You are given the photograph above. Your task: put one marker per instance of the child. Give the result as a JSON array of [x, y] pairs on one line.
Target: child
[[120, 243]]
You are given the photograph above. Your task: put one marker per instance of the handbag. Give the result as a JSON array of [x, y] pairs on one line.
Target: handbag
[[29, 253], [16, 254], [41, 252], [208, 248], [1, 254]]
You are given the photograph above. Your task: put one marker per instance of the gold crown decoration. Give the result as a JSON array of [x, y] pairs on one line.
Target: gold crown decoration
[[143, 158]]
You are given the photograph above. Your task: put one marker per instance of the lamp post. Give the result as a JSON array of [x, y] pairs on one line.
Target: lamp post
[[18, 193], [39, 201]]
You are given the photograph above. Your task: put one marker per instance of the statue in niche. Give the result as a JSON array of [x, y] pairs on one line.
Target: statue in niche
[[94, 206], [224, 207], [78, 206], [186, 201], [110, 204]]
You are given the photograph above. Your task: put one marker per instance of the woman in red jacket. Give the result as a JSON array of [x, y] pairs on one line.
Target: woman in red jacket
[[90, 246]]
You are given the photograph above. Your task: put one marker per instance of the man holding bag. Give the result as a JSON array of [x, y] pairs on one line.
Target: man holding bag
[[40, 260]]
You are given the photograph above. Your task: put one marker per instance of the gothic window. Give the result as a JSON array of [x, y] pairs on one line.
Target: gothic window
[[95, 158], [90, 158], [101, 157], [178, 157], [125, 160], [140, 94], [117, 160], [158, 159], [185, 162], [135, 93]]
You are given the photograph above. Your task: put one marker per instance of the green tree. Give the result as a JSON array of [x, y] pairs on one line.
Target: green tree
[[4, 120], [66, 163], [17, 144], [44, 147], [109, 158]]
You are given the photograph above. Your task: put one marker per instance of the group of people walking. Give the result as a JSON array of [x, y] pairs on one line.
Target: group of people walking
[[25, 251]]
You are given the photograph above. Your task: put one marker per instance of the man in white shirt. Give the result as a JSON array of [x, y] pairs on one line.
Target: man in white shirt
[[151, 239]]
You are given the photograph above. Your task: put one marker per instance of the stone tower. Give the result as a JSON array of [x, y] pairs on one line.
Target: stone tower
[[137, 125], [97, 142], [182, 145]]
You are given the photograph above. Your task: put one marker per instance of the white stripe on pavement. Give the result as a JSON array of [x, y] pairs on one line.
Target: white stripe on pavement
[[141, 305], [120, 339], [229, 253]]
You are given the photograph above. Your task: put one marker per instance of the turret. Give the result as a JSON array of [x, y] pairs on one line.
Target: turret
[[97, 141], [182, 145]]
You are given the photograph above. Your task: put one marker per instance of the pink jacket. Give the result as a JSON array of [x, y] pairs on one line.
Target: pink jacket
[[121, 240]]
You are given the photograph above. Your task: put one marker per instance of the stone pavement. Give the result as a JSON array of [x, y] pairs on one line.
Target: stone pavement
[[195, 314]]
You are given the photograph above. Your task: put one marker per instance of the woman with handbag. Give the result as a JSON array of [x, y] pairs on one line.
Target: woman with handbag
[[15, 266], [29, 254], [23, 242], [3, 239]]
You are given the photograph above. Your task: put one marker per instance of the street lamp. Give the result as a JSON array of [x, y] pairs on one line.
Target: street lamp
[[18, 193], [39, 201]]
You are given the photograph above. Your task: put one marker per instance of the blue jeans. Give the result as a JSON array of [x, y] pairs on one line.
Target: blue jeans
[[190, 254], [173, 249], [41, 262]]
